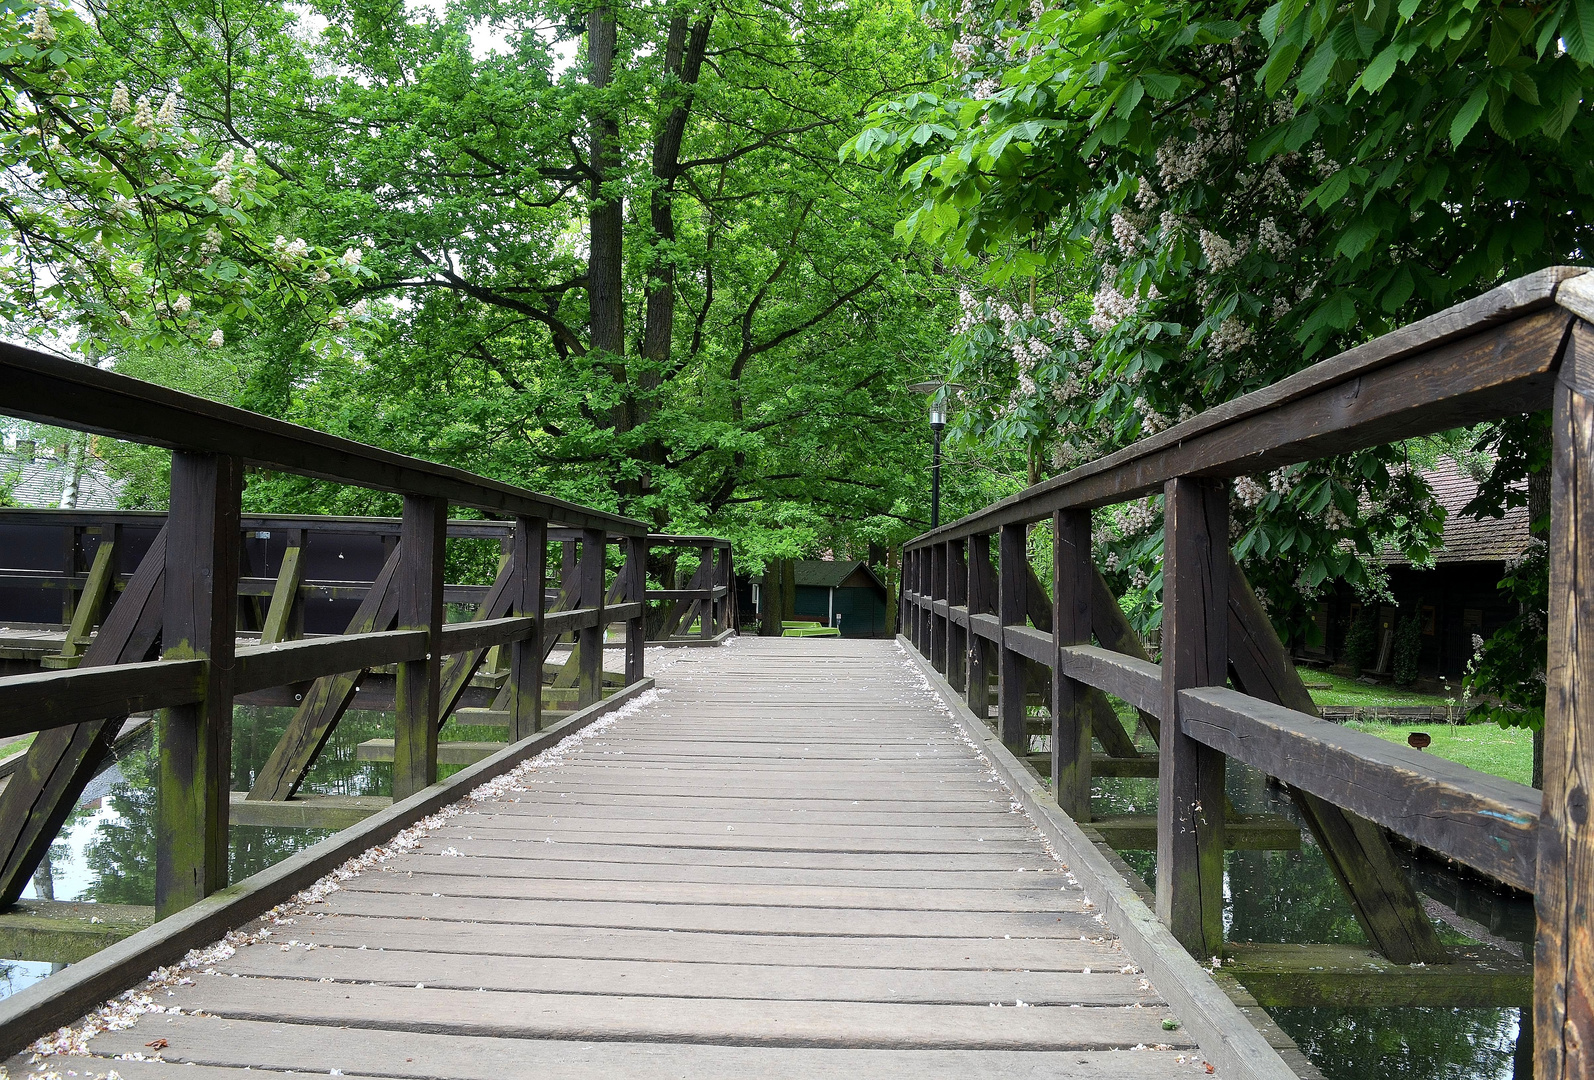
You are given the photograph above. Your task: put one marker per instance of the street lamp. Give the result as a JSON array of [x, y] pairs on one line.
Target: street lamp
[[938, 391]]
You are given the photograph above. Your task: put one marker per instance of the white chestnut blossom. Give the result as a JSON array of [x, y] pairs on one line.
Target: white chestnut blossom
[[1221, 255], [182, 306], [43, 30], [1249, 492], [216, 339], [168, 114], [1125, 234], [221, 191], [1231, 336], [143, 115], [212, 242], [1109, 307], [351, 258], [121, 104], [1273, 240]]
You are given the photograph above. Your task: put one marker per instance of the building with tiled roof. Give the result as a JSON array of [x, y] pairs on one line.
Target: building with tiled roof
[[45, 478]]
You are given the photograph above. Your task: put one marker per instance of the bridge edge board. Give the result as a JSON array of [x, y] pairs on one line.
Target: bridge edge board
[[1225, 1034]]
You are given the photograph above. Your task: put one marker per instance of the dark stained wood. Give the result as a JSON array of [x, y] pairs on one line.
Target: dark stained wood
[[524, 688], [1357, 851], [199, 622], [1011, 605], [1032, 644], [589, 639], [420, 607], [1563, 995], [44, 789], [465, 646], [1072, 573], [1113, 630], [1476, 361], [50, 390], [1353, 977], [957, 631], [91, 601], [981, 600], [261, 667], [635, 573], [938, 621], [479, 635], [1139, 682], [58, 699], [327, 699], [1486, 822], [1190, 799]]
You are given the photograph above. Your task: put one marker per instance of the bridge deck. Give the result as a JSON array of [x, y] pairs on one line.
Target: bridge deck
[[792, 864]]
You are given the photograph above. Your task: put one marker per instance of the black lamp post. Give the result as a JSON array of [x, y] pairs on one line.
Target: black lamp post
[[937, 389]]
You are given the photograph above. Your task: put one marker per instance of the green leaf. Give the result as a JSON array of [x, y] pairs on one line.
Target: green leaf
[[1330, 191], [1160, 86], [1399, 290], [1379, 71], [1468, 116], [1279, 65], [1577, 30]]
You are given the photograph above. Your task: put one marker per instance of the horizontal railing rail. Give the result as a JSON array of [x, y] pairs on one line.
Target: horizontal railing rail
[[1226, 687]]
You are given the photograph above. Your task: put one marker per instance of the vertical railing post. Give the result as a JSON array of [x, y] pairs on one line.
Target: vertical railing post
[[710, 579], [910, 570], [530, 556], [636, 591], [590, 639], [199, 618], [422, 537], [1564, 953], [957, 635], [1012, 606], [1072, 580], [937, 651], [982, 601], [1195, 624]]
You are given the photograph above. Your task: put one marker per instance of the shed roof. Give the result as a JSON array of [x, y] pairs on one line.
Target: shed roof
[[829, 573], [1468, 539], [38, 480]]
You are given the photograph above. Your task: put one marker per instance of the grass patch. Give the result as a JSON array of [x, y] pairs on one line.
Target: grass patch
[[1504, 752], [1343, 690]]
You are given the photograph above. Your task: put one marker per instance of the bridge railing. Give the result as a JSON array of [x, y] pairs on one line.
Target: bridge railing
[[170, 640], [1226, 687]]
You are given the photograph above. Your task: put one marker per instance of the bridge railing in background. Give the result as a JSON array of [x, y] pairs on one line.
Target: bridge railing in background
[[1528, 345], [170, 593]]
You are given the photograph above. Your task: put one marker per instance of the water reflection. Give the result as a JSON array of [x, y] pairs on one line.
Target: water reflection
[[1292, 896]]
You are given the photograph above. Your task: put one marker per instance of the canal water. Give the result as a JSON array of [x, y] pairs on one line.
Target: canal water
[[106, 854]]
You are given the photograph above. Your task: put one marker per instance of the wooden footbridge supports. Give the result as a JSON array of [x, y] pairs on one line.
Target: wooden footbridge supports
[[1225, 687]]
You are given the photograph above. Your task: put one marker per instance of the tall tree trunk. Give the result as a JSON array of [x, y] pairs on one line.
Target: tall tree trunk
[[605, 211]]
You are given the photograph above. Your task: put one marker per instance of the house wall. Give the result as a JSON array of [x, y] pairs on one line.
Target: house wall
[[862, 611]]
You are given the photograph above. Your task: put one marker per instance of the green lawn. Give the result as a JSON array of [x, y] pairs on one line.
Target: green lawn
[[1345, 690], [1505, 752]]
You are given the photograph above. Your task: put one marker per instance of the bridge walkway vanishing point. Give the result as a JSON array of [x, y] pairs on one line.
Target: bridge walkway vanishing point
[[789, 862]]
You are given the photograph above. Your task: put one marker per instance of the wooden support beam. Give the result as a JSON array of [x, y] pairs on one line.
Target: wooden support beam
[[635, 574], [590, 639], [89, 604], [1245, 832], [279, 622], [938, 622], [328, 698], [420, 607], [1190, 798], [524, 688], [199, 623], [56, 699], [1356, 977], [1563, 999], [981, 601], [63, 932], [44, 788], [1072, 570], [453, 752], [1112, 629], [1139, 682], [1011, 604], [334, 812], [957, 633], [1357, 851]]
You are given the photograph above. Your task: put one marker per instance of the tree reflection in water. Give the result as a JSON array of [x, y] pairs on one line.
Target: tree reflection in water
[[1292, 896]]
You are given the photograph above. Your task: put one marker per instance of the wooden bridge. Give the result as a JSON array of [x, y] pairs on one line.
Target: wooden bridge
[[774, 857]]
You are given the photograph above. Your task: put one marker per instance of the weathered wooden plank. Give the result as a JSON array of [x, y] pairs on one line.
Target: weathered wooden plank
[[1355, 977], [89, 604], [279, 621], [1072, 573], [847, 1024], [634, 574], [524, 688], [452, 752], [1190, 796], [199, 621], [417, 695], [327, 699], [58, 699], [375, 1052], [1563, 1010], [1139, 682], [261, 667], [1486, 822], [332, 812]]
